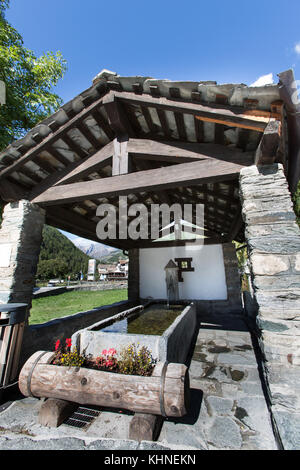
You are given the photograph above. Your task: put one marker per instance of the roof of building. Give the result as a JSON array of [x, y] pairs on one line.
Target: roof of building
[[186, 142]]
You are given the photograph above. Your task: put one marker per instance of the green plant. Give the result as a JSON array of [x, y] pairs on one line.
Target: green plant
[[136, 360]]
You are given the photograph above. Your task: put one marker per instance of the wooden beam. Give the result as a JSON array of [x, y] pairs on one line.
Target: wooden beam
[[99, 160], [289, 95], [120, 160], [117, 117], [221, 114], [173, 243], [267, 149], [184, 151], [184, 174]]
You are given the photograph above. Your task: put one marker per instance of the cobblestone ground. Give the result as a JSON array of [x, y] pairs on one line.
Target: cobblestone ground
[[229, 407]]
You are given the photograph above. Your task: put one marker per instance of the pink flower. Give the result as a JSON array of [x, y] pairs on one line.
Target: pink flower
[[104, 352], [111, 352], [57, 344]]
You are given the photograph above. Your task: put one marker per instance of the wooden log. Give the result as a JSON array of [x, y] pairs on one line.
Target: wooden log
[[164, 393], [145, 427], [53, 412]]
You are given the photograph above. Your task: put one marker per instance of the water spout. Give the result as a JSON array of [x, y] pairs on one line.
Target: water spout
[[171, 282]]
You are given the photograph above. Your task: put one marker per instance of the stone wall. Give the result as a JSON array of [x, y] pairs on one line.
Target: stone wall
[[273, 239], [43, 336], [20, 240]]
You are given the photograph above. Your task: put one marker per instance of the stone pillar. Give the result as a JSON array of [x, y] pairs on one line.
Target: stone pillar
[[134, 274], [273, 239], [20, 241]]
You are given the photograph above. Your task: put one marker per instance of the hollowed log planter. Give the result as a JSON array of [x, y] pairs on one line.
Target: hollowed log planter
[[165, 392]]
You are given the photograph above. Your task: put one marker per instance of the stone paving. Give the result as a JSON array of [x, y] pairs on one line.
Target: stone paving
[[228, 409]]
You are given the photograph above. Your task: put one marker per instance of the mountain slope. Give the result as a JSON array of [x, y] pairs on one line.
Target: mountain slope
[[93, 249], [59, 257]]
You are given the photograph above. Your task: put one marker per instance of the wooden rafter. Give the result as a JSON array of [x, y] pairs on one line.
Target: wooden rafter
[[184, 174], [225, 114]]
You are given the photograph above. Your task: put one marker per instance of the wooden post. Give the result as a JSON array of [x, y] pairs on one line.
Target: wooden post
[[53, 412], [145, 427]]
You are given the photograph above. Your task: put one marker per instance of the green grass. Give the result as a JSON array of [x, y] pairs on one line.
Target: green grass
[[56, 306]]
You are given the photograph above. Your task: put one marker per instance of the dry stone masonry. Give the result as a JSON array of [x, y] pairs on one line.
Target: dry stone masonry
[[20, 240], [273, 239]]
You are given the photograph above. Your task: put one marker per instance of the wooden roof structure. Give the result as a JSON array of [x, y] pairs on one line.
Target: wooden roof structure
[[155, 141]]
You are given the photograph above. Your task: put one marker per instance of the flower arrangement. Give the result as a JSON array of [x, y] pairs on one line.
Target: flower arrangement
[[132, 359], [65, 357]]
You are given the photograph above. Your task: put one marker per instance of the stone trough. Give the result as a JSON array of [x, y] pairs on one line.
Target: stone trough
[[172, 345]]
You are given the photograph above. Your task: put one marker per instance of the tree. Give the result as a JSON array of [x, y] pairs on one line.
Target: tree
[[29, 83]]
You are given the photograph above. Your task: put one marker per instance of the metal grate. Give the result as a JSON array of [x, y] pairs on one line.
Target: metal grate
[[82, 417]]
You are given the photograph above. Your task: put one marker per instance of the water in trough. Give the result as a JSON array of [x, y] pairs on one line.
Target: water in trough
[[152, 320]]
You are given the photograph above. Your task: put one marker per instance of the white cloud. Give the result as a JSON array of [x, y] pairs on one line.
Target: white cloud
[[297, 48], [264, 80]]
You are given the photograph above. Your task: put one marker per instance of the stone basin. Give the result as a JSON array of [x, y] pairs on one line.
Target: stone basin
[[169, 339]]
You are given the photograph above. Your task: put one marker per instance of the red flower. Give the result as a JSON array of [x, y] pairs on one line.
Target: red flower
[[111, 352], [68, 342], [57, 345]]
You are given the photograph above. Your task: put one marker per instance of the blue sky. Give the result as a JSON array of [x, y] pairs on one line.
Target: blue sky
[[227, 41], [231, 41]]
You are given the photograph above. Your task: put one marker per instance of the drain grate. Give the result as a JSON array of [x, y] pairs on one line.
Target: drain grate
[[82, 417]]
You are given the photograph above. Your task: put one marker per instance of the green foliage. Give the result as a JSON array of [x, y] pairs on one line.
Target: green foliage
[[135, 360], [59, 257], [241, 253], [113, 257], [45, 309], [296, 201], [29, 83]]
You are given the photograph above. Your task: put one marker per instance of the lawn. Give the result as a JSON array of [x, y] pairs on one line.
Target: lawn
[[56, 306]]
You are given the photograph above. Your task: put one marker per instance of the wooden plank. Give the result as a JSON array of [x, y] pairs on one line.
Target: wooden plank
[[103, 124], [87, 133], [225, 114], [184, 174], [16, 359], [51, 138], [10, 354], [4, 351]]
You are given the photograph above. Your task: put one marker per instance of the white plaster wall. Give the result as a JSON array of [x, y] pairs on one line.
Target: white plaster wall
[[207, 282]]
